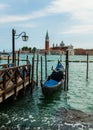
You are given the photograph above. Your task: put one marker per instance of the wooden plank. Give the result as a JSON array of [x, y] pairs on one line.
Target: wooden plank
[[10, 91], [14, 81]]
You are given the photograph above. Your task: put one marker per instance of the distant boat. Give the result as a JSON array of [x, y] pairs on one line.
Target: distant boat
[[5, 53], [5, 57], [55, 81]]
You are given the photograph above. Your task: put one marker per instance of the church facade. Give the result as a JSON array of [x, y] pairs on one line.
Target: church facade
[[58, 48]]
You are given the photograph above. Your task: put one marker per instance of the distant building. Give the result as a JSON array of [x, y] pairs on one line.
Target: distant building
[[70, 50], [81, 51], [89, 51], [56, 49], [47, 42], [61, 48]]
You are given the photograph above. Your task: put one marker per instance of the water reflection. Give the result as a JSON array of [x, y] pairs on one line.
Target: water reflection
[[37, 111], [32, 110]]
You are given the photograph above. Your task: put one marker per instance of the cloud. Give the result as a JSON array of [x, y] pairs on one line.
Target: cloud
[[78, 9], [27, 25], [4, 6], [11, 18], [80, 12], [19, 18], [79, 29]]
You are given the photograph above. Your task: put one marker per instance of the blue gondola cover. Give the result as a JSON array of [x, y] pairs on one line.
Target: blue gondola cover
[[50, 83]]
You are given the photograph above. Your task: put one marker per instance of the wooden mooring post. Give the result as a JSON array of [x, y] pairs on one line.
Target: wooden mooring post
[[66, 72], [37, 69], [8, 59], [87, 67], [45, 65], [0, 58], [32, 76], [27, 58], [15, 88], [61, 57], [18, 58], [32, 68], [41, 69]]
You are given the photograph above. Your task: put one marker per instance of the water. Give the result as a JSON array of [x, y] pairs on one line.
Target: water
[[35, 111]]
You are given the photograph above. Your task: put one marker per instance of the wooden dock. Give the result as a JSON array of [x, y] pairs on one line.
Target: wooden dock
[[14, 79]]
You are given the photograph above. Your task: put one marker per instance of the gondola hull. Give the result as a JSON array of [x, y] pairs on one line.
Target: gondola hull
[[55, 80], [52, 89]]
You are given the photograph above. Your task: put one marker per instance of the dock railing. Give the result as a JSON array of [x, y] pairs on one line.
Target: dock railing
[[14, 79], [6, 65]]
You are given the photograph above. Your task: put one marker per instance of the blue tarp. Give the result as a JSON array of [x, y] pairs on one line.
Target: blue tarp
[[59, 67], [50, 83]]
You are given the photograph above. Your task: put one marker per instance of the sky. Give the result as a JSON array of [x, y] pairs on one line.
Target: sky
[[70, 21]]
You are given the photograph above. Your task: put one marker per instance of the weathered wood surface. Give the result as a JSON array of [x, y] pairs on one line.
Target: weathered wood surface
[[14, 79], [6, 65]]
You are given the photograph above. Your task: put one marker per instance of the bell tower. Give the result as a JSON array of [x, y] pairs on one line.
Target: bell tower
[[47, 42]]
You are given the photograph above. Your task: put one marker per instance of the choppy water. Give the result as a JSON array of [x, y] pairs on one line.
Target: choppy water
[[37, 112]]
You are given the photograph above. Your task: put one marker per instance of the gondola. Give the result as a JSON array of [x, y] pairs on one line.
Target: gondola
[[55, 81]]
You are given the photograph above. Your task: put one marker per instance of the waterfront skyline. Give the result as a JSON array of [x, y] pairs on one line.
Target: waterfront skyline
[[70, 21]]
